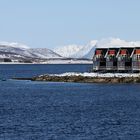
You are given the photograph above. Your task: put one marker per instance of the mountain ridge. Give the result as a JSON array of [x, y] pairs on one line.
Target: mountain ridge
[[21, 53], [88, 50], [17, 51]]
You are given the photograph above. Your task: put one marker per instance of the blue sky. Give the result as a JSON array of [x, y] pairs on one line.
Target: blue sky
[[52, 23]]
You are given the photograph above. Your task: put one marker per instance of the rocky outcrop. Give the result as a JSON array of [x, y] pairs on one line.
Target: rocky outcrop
[[82, 79]]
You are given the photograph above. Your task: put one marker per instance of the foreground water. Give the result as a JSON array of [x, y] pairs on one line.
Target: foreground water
[[67, 111]]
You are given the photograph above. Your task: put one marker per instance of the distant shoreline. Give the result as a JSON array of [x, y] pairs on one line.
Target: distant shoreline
[[45, 63], [52, 62]]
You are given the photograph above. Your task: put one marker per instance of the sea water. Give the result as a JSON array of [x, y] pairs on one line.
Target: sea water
[[66, 111]]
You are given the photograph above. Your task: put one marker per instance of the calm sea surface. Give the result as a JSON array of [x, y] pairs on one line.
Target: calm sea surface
[[66, 111]]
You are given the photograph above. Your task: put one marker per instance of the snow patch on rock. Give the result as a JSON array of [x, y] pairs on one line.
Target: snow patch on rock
[[107, 75]]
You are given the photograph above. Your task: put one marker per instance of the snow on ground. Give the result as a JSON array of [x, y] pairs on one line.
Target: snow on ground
[[59, 61], [98, 74]]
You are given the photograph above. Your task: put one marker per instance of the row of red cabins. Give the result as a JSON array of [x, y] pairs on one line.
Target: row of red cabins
[[117, 59]]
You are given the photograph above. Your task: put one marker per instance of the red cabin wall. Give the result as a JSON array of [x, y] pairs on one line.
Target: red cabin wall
[[123, 52], [137, 51], [98, 52], [111, 52]]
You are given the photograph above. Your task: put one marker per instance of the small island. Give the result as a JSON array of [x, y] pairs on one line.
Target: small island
[[87, 78]]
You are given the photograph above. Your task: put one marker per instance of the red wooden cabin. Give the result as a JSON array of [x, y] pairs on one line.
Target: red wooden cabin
[[124, 59], [136, 60], [99, 61], [111, 60]]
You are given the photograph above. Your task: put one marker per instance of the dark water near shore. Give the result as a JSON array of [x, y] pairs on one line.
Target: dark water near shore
[[66, 111]]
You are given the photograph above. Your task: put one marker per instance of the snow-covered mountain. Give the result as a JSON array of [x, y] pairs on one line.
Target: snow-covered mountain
[[90, 54], [111, 42], [88, 50], [116, 42], [44, 53], [14, 45], [75, 51], [16, 50], [85, 50], [69, 50]]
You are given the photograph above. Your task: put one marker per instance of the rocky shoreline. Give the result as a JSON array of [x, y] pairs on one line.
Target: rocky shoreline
[[83, 79]]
